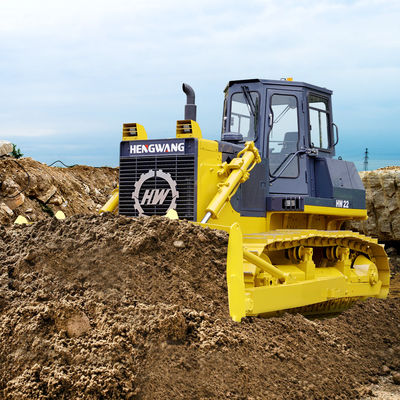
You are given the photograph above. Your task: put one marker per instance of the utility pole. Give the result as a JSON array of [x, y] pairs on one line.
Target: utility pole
[[366, 160]]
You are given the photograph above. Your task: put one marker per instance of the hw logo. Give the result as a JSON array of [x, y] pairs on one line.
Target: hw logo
[[152, 197]]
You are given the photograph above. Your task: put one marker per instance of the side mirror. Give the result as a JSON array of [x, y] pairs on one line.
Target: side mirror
[[232, 137]]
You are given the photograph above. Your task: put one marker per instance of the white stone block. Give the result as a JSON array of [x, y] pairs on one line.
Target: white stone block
[[5, 147]]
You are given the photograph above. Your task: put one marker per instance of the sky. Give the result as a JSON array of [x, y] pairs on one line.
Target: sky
[[72, 72]]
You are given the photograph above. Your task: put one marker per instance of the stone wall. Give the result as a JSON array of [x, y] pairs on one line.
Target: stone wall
[[383, 204]]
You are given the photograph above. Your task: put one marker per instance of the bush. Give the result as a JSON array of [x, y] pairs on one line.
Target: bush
[[16, 153]]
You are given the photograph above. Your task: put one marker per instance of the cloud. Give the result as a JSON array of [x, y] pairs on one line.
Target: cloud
[[82, 68], [16, 132]]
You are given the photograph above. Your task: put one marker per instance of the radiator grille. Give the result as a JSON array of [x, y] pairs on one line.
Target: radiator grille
[[155, 194]]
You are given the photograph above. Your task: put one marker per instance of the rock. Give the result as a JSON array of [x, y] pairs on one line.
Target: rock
[[42, 295], [396, 378], [6, 147], [374, 380], [75, 323], [30, 256], [48, 194], [86, 188], [385, 369], [56, 200], [202, 238], [179, 244], [10, 187], [15, 202], [6, 210]]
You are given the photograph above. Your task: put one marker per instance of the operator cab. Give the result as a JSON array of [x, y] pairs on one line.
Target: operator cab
[[291, 124], [266, 109]]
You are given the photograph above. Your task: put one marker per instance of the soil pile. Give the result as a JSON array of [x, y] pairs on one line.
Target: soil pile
[[37, 191], [109, 307]]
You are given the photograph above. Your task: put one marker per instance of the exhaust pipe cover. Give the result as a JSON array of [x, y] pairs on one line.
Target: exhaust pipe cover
[[190, 107]]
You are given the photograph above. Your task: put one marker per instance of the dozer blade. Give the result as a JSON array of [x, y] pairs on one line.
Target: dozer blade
[[307, 271]]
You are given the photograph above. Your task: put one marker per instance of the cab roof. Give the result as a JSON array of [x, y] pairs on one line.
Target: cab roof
[[272, 83]]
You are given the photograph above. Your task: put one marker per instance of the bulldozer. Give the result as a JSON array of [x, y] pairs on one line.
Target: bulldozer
[[273, 183]]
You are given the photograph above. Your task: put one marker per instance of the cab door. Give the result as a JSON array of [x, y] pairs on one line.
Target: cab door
[[285, 136]]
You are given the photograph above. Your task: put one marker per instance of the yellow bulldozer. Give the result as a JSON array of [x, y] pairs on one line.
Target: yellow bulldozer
[[273, 184]]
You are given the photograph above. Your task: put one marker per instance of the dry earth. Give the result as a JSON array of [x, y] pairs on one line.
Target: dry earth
[[106, 307]]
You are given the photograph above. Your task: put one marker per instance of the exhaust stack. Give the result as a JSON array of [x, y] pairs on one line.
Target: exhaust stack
[[190, 107]]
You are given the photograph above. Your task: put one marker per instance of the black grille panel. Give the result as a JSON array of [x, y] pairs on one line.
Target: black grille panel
[[155, 194]]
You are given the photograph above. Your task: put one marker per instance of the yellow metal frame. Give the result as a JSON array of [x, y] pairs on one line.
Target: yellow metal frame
[[112, 203], [133, 131], [341, 212], [188, 128], [234, 274]]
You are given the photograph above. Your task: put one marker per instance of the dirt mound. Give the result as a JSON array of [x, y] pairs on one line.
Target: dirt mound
[[109, 307], [37, 191]]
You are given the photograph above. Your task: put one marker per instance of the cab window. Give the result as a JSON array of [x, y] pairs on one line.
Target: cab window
[[242, 119], [224, 117], [283, 137], [319, 121]]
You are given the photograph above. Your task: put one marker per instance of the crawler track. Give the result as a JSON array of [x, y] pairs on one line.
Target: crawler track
[[327, 285]]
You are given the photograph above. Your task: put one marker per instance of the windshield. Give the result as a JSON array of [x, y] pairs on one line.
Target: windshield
[[244, 114]]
